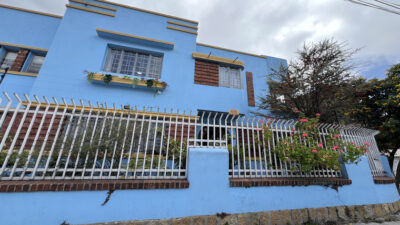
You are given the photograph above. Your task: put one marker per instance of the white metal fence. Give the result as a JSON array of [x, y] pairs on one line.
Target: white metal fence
[[254, 156], [60, 140]]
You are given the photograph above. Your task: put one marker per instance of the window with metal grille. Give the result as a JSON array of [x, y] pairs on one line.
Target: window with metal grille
[[133, 63], [35, 64], [8, 59], [230, 77]]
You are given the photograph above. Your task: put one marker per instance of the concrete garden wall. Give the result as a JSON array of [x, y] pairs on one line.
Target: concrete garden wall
[[209, 193]]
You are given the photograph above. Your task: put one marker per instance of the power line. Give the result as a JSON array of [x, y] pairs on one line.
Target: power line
[[379, 4]]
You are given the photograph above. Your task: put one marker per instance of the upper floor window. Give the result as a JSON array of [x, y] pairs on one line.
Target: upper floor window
[[133, 63], [35, 64], [8, 59], [230, 77]]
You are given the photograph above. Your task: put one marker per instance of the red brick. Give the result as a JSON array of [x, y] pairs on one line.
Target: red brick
[[19, 61], [206, 73], [250, 89]]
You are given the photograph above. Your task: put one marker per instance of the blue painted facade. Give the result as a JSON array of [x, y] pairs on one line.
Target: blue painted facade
[[74, 46], [209, 193]]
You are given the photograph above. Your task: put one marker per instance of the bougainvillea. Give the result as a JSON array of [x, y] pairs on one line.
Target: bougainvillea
[[306, 148]]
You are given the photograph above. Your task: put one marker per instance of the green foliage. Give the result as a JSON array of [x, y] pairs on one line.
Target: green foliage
[[379, 108], [90, 76], [305, 149], [135, 81], [149, 83], [107, 78]]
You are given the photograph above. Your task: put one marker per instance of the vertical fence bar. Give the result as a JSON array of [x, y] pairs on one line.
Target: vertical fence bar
[[154, 144], [99, 141], [71, 149], [46, 137], [3, 141], [5, 112], [83, 139], [16, 137], [132, 143], [91, 139], [161, 144], [128, 120], [147, 142], [116, 141]]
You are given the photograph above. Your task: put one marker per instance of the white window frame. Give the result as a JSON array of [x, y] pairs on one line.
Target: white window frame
[[233, 77], [135, 72]]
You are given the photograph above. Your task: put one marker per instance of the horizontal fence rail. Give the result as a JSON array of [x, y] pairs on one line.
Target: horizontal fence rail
[[58, 140]]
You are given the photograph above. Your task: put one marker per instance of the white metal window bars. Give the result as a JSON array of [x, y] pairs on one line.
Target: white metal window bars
[[53, 140], [8, 60], [230, 77], [35, 64], [133, 63]]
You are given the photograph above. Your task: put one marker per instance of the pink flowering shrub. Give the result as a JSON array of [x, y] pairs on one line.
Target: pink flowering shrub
[[305, 149]]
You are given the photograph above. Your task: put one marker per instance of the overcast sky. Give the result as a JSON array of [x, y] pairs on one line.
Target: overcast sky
[[277, 27]]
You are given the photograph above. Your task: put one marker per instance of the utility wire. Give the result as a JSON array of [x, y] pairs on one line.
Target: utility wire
[[389, 7]]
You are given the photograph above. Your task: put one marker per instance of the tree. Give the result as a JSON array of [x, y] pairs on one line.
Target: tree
[[379, 109], [316, 82]]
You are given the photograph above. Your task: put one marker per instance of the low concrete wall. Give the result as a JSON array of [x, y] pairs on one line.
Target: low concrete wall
[[209, 193]]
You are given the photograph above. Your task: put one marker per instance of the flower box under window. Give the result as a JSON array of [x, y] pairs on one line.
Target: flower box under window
[[134, 82]]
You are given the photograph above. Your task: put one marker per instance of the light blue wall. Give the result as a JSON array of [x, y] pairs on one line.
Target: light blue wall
[[74, 46], [18, 84], [386, 166], [28, 29], [230, 98], [77, 47], [209, 193]]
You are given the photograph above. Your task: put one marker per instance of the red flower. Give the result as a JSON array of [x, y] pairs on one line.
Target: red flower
[[366, 150], [297, 111], [305, 135], [261, 121], [320, 145], [303, 120], [334, 149], [367, 144], [317, 114], [314, 150]]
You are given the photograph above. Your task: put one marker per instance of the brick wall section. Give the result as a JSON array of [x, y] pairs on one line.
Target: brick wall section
[[91, 185], [257, 182], [20, 60], [34, 130], [250, 89], [206, 73], [384, 180]]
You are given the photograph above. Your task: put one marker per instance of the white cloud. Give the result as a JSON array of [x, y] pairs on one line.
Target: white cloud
[[275, 27]]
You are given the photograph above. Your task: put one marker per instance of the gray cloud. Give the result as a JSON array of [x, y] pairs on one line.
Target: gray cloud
[[275, 27]]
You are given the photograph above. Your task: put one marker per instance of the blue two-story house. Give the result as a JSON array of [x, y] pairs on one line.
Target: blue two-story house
[[152, 59]]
